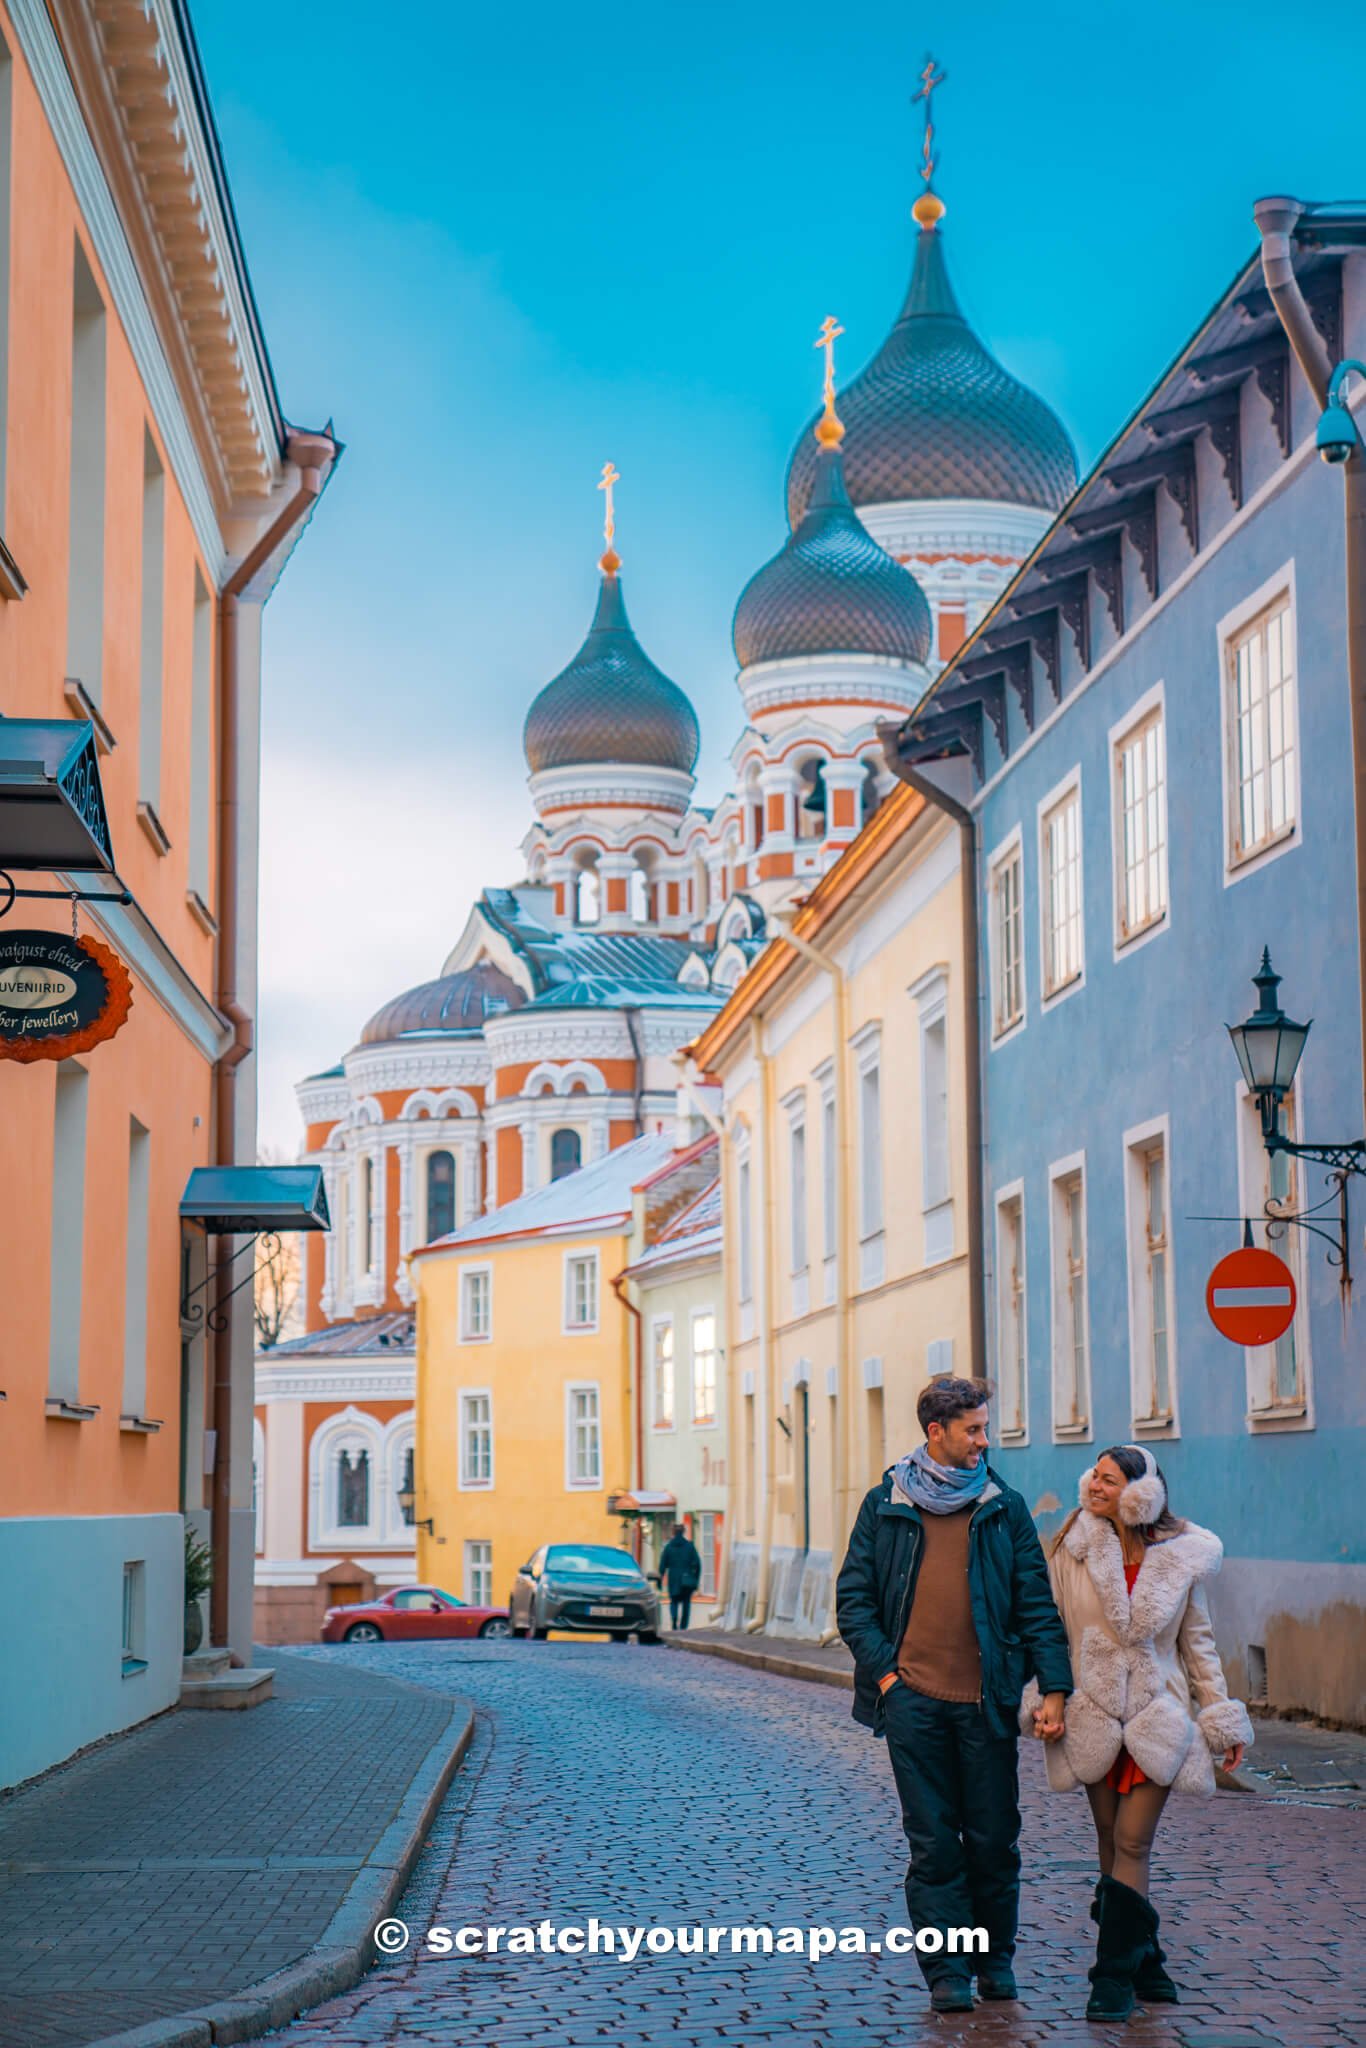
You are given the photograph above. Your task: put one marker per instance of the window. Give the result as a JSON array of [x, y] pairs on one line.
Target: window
[[353, 1489], [85, 562], [1010, 1313], [745, 1233], [476, 1304], [583, 1436], [1006, 890], [868, 1054], [829, 1169], [135, 1273], [134, 1630], [1278, 1376], [797, 1192], [366, 1218], [153, 606], [581, 1291], [1140, 791], [201, 742], [706, 1535], [934, 1054], [566, 1153], [1071, 1347], [342, 1233], [476, 1438], [6, 144], [1151, 1296], [662, 1374], [68, 1233], [1060, 890], [440, 1194], [704, 1368], [478, 1573], [1260, 720]]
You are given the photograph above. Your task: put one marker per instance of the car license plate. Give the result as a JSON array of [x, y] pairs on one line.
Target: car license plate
[[608, 1613]]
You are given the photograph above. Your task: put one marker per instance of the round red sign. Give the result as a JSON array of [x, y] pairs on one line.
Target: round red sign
[[1251, 1296]]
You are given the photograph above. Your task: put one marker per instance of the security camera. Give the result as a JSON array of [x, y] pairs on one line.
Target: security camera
[[1336, 438]]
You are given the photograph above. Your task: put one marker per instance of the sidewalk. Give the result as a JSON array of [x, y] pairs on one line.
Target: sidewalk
[[1291, 1761], [173, 1870]]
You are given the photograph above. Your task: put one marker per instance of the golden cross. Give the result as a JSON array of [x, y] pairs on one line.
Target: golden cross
[[610, 476], [826, 339], [929, 79]]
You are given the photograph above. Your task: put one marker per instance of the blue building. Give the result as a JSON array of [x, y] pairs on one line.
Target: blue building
[[1151, 736]]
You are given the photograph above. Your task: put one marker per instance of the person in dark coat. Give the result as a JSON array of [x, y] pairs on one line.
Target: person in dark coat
[[945, 1603], [682, 1572]]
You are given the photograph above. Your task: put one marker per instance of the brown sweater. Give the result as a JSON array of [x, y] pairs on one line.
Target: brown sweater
[[939, 1654]]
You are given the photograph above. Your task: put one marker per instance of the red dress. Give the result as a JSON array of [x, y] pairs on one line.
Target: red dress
[[1124, 1773]]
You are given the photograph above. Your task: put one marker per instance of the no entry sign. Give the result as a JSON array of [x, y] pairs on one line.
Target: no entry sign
[[1251, 1296]]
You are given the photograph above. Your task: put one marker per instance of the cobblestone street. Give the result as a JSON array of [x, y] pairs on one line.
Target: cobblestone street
[[649, 1788]]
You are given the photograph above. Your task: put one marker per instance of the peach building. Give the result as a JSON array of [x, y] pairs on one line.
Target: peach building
[[151, 491]]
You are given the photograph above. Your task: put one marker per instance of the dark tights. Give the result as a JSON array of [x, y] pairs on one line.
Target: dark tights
[[1125, 1826]]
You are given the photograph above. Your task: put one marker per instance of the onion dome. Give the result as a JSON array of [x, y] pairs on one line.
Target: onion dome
[[934, 415], [457, 1002], [832, 590]]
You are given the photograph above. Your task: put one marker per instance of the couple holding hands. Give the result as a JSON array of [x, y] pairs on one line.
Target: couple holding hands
[[948, 1605]]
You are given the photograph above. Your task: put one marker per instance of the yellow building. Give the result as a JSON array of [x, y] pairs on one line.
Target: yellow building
[[850, 1209], [528, 1369]]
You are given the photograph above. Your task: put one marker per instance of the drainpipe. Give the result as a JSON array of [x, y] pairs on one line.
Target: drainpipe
[[839, 988], [619, 1285], [763, 1307], [972, 1042], [1276, 218], [632, 1016], [314, 455]]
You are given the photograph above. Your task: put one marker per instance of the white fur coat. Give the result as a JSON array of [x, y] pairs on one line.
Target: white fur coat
[[1146, 1670]]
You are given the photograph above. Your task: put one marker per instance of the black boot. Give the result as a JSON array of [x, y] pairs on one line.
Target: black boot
[[1127, 1923], [1151, 1982]]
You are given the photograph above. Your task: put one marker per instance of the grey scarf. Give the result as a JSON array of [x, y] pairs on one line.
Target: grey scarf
[[939, 1489]]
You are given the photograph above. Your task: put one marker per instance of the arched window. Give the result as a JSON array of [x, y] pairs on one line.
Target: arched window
[[566, 1153], [440, 1194], [353, 1489], [367, 1214], [811, 801], [588, 897]]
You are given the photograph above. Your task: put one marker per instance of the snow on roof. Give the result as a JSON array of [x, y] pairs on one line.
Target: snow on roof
[[600, 1193]]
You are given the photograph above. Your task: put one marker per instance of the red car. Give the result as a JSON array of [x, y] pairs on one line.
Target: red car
[[413, 1614]]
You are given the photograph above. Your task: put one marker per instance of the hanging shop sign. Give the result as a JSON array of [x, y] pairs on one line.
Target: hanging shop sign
[[58, 995]]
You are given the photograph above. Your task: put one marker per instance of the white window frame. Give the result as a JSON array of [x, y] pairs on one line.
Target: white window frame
[[466, 1481], [466, 1334], [1009, 853], [1278, 590], [476, 1565], [1150, 708], [1063, 793], [824, 1078], [798, 1183], [589, 1259], [930, 995], [1060, 1174], [573, 1387], [660, 1326], [1267, 1416], [1012, 1197], [1140, 1143], [712, 1421], [744, 1222], [866, 1047]]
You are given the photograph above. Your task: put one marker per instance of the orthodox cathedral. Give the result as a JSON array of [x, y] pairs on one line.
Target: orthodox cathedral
[[546, 1039]]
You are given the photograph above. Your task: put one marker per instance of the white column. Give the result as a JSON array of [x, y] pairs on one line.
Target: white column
[[530, 1163], [286, 1533]]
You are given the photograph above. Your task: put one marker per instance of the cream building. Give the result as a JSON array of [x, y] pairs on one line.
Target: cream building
[[849, 1203]]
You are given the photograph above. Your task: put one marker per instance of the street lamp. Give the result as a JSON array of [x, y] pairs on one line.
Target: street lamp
[[407, 1501], [1336, 437], [1269, 1045]]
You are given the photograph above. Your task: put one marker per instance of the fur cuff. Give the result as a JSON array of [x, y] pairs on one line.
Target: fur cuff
[[1224, 1723], [1030, 1700]]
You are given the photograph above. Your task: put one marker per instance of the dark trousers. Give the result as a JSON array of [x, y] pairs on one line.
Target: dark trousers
[[960, 1808], [680, 1608]]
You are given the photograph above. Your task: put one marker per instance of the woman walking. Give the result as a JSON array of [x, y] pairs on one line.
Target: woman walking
[[1127, 1578]]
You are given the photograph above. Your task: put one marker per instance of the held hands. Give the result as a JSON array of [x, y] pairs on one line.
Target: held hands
[[1048, 1718], [1234, 1755]]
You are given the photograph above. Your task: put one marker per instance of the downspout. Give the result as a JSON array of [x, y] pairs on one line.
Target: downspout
[[632, 1016], [619, 1284], [763, 1307], [1276, 218], [839, 985], [972, 1044], [314, 455]]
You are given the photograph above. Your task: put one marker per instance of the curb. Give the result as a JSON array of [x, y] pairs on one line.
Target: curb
[[344, 1951], [757, 1660]]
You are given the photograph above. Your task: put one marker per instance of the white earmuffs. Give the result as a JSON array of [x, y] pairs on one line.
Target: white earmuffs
[[1142, 1500]]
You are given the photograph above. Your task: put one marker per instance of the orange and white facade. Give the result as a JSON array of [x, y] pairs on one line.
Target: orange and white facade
[[143, 461]]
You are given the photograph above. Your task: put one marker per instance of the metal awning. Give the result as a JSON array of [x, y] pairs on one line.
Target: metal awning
[[52, 812], [641, 1503], [233, 1201]]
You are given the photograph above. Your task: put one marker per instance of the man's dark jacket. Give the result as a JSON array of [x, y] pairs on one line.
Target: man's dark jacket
[[1019, 1630], [681, 1566]]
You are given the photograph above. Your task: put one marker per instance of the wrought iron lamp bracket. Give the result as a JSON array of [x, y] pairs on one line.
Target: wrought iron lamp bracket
[[213, 1318], [1333, 1229]]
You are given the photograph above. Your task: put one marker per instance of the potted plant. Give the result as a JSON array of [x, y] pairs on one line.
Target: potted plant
[[198, 1579]]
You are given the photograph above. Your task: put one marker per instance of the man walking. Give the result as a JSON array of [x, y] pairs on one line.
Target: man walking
[[945, 1602], [682, 1570]]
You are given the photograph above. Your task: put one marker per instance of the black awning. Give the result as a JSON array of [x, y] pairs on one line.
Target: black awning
[[232, 1201]]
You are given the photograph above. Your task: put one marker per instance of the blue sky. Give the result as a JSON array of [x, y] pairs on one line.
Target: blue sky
[[498, 246]]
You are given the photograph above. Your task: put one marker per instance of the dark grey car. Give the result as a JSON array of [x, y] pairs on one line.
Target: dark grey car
[[585, 1586]]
